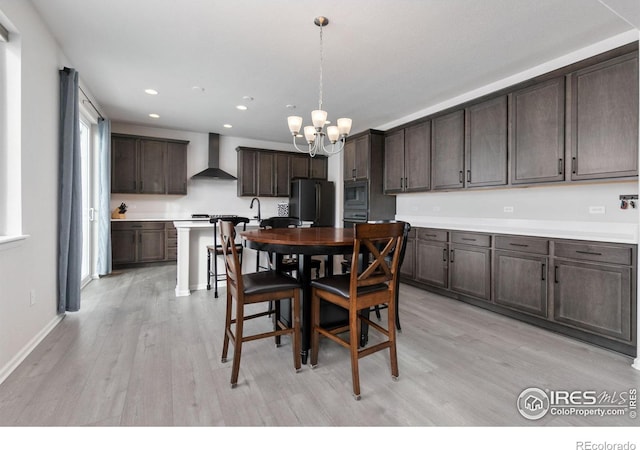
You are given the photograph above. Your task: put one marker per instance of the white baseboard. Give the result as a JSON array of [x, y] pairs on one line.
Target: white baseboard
[[636, 363], [27, 349]]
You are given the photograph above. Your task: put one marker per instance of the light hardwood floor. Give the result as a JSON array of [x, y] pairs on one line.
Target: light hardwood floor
[[137, 355]]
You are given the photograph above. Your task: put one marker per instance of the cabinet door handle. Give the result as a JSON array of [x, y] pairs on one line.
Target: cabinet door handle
[[134, 185], [574, 165], [560, 166], [544, 271], [451, 256], [589, 253], [468, 176], [353, 173], [460, 179], [406, 184], [401, 183], [141, 187], [444, 254], [555, 274]]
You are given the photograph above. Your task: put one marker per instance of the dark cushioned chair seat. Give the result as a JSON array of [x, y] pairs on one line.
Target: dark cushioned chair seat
[[339, 285], [268, 281]]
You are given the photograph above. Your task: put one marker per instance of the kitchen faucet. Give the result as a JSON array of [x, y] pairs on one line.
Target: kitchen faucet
[[259, 216]]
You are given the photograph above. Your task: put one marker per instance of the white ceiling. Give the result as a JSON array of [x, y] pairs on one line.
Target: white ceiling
[[384, 59]]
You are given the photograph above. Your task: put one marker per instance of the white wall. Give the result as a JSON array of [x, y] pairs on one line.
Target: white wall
[[30, 266]]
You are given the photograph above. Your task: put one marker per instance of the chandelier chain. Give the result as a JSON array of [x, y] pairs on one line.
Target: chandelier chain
[[321, 62]]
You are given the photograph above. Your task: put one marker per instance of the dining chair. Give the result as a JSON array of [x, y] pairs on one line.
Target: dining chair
[[346, 267], [247, 289], [375, 283], [215, 250]]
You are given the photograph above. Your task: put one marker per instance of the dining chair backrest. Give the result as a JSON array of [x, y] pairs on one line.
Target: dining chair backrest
[[381, 241], [280, 222], [231, 257]]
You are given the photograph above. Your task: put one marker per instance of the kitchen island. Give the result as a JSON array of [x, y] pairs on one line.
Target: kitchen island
[[193, 237]]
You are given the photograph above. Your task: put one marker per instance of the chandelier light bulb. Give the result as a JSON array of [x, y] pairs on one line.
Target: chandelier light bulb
[[309, 134], [295, 123], [318, 117], [332, 133], [344, 126]]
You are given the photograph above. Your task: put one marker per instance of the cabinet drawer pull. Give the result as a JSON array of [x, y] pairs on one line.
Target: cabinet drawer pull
[[544, 272], [518, 245], [451, 256], [469, 239], [560, 166], [588, 253], [431, 235], [444, 254]]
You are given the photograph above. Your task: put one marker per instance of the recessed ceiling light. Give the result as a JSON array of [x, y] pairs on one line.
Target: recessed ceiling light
[[241, 107], [227, 125], [291, 106], [151, 91], [247, 98], [154, 116]]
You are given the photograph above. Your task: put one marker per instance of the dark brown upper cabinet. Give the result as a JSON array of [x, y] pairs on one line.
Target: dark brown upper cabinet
[[603, 116], [268, 173], [447, 151], [407, 158], [537, 133], [394, 162], [299, 166], [486, 143], [356, 158], [141, 165]]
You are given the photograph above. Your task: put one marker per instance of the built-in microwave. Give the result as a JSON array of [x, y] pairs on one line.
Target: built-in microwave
[[355, 195]]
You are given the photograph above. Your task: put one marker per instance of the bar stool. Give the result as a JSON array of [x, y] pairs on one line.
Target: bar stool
[[216, 250]]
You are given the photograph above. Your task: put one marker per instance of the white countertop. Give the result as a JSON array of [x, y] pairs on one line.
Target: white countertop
[[626, 233]]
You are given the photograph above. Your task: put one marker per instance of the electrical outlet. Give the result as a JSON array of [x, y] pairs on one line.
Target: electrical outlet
[[32, 297], [596, 210], [508, 209]]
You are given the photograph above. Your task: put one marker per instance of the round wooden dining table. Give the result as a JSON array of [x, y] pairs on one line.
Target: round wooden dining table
[[304, 242]]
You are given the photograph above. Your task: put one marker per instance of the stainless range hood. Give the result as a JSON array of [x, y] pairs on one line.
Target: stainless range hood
[[214, 170]]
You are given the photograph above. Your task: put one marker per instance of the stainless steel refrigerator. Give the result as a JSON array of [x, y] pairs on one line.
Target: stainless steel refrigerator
[[313, 201]]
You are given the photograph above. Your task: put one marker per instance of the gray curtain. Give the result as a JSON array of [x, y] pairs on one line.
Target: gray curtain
[[69, 195], [104, 195]]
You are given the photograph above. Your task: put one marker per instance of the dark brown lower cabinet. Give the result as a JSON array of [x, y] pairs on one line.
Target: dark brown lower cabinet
[[407, 270], [470, 270], [142, 242], [432, 266], [593, 297], [520, 281], [582, 289]]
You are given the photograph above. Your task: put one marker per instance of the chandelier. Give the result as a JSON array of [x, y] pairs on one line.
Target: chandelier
[[315, 134]]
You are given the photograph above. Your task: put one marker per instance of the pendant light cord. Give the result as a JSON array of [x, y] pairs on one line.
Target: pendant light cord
[[321, 61]]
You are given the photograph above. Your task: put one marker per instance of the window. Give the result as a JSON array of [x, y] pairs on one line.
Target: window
[[10, 126]]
